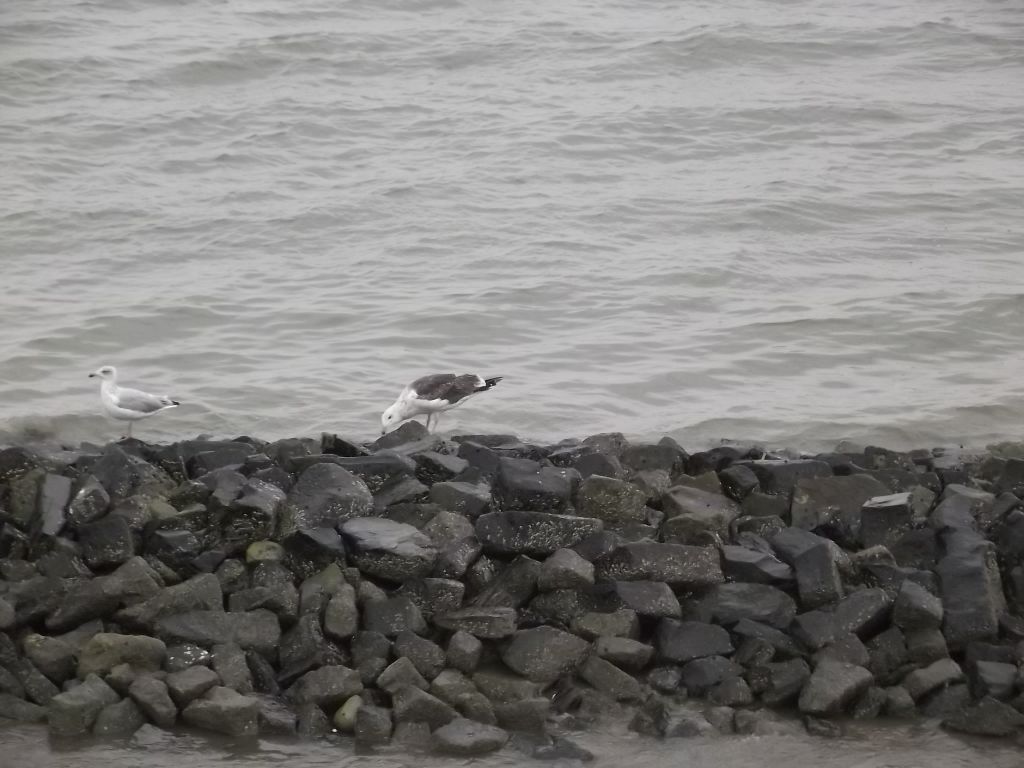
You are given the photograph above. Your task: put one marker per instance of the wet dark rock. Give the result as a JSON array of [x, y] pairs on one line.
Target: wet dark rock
[[886, 519], [32, 598], [681, 565], [731, 692], [373, 726], [302, 648], [653, 599], [73, 712], [393, 615], [666, 455], [925, 646], [611, 500], [833, 504], [469, 499], [230, 665], [328, 686], [564, 569], [106, 542], [847, 649], [701, 675], [607, 678], [864, 612], [417, 706], [532, 533], [190, 684], [889, 657], [780, 476], [99, 597], [749, 565], [916, 608], [898, 702], [224, 711], [16, 709], [154, 700], [220, 455], [467, 738], [992, 678], [52, 656], [543, 654], [986, 718], [426, 656], [738, 481], [622, 622], [400, 674], [780, 683], [457, 546], [599, 464], [464, 652], [939, 674], [201, 592], [324, 496], [832, 686], [693, 514], [123, 475], [105, 651], [623, 652], [341, 617], [256, 630], [389, 550], [971, 589], [817, 577], [433, 467], [687, 725], [434, 596], [683, 641], [526, 484], [254, 514], [729, 603]]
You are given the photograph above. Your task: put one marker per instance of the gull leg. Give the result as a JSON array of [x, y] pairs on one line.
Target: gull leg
[[129, 429], [429, 417]]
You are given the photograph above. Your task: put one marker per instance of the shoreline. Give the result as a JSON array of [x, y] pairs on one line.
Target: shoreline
[[463, 594]]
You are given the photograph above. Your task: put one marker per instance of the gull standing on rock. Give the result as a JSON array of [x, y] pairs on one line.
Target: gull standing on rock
[[126, 404], [433, 394]]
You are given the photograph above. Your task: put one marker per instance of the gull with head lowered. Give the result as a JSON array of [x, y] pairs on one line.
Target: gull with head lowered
[[433, 394], [125, 404]]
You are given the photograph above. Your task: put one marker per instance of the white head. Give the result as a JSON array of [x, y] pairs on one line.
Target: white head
[[107, 373], [392, 416]]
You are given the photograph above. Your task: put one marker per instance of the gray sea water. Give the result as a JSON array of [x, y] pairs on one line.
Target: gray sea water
[[784, 220]]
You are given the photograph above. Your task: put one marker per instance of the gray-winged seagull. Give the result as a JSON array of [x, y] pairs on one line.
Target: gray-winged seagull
[[433, 394], [126, 404]]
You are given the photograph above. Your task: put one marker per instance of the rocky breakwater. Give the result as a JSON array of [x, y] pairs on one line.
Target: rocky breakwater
[[469, 593]]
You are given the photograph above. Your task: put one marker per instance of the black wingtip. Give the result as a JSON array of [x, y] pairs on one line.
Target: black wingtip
[[492, 381], [175, 402]]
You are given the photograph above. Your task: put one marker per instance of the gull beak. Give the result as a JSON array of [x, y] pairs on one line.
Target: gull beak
[[383, 432], [92, 375]]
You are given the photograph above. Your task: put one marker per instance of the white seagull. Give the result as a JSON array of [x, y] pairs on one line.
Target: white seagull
[[433, 394], [126, 404]]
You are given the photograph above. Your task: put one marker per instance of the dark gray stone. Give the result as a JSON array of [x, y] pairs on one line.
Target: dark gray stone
[[324, 496], [106, 542], [341, 617], [467, 738], [464, 651], [564, 569], [738, 481], [257, 630], [847, 649], [886, 519], [153, 698], [16, 709], [743, 564], [653, 599], [607, 678], [230, 665], [104, 651], [864, 612], [426, 656], [683, 566], [417, 706], [510, 587], [986, 718], [611, 500], [400, 674], [628, 654], [993, 678], [729, 603], [916, 608], [532, 533], [971, 589], [73, 712], [832, 687], [457, 545], [526, 484], [543, 654], [190, 684], [780, 683], [468, 499], [701, 675], [393, 615], [118, 720], [937, 675], [328, 686], [90, 502], [683, 641], [388, 550], [201, 592], [693, 514], [224, 711], [833, 504], [373, 726], [817, 577]]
